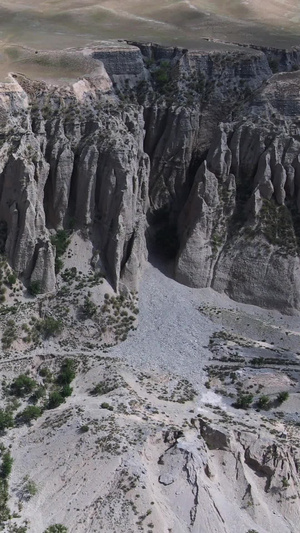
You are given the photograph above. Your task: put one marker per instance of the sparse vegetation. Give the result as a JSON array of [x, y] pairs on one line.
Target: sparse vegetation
[[55, 400], [277, 226], [35, 288], [285, 483], [6, 466], [32, 412], [29, 488], [67, 372], [56, 528], [22, 386], [5, 471], [49, 327], [9, 334], [6, 419], [38, 394], [264, 402], [106, 405], [282, 397], [103, 388], [89, 309], [162, 73], [243, 401], [61, 242], [46, 374], [66, 391]]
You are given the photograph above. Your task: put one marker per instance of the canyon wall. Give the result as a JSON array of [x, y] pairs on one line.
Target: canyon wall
[[199, 150]]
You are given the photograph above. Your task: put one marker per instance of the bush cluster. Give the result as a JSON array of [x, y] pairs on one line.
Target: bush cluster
[[22, 386], [61, 242], [65, 377], [49, 327]]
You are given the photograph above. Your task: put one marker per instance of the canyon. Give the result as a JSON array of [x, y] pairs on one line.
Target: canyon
[[149, 239], [198, 152]]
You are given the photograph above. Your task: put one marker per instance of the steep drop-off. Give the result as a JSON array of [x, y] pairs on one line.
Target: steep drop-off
[[198, 150]]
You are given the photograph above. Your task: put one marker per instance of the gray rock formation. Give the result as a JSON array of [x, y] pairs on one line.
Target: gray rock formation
[[203, 144], [69, 160], [251, 234], [261, 475]]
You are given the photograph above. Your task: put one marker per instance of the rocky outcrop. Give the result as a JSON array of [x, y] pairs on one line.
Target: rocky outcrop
[[64, 161], [231, 473], [242, 237], [203, 144]]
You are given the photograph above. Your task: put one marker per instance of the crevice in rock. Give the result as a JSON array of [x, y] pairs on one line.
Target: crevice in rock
[[154, 126], [192, 479], [2, 180], [127, 249], [30, 268], [163, 238], [71, 211], [261, 469], [3, 235], [48, 200]]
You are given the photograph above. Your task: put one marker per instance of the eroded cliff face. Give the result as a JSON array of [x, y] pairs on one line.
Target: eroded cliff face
[[200, 149], [242, 214], [70, 158]]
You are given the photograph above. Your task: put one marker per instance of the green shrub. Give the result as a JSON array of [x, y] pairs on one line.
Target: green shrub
[[29, 488], [6, 466], [9, 334], [56, 528], [58, 264], [39, 393], [5, 470], [34, 288], [67, 372], [32, 412], [285, 483], [244, 401], [102, 388], [89, 309], [66, 391], [13, 404], [46, 374], [282, 397], [61, 242], [49, 327], [11, 279], [84, 429], [162, 74], [22, 386], [106, 405], [263, 402], [13, 528], [6, 419], [55, 400]]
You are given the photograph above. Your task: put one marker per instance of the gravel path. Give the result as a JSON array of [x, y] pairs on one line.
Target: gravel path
[[172, 334]]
